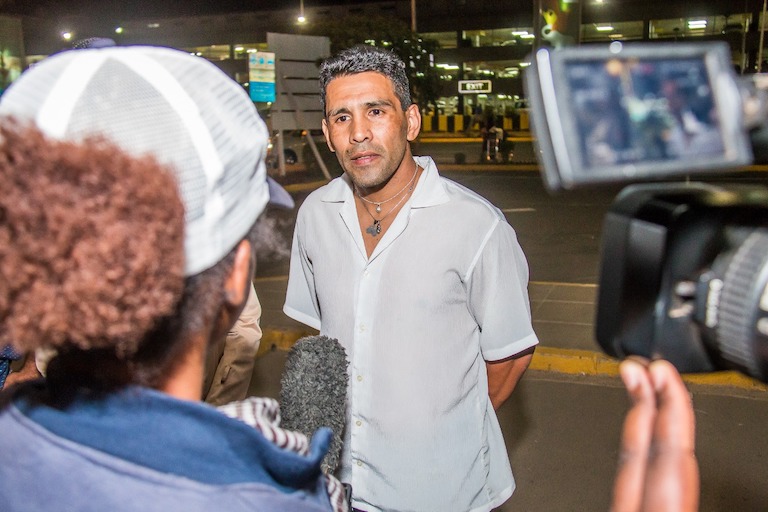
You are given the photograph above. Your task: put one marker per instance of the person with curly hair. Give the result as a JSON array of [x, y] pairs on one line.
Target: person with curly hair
[[132, 181]]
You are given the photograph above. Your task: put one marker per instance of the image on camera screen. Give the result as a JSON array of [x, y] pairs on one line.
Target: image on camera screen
[[631, 111]]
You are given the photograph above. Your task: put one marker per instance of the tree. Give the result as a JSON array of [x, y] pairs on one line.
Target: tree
[[394, 34]]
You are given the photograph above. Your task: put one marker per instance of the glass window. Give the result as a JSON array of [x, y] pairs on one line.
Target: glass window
[[625, 30], [446, 39], [222, 51], [210, 52], [448, 71], [241, 51], [498, 37], [493, 69], [698, 26]]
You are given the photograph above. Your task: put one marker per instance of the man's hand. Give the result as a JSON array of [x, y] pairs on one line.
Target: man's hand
[[657, 465]]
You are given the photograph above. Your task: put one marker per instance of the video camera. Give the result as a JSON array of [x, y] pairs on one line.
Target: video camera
[[684, 265]]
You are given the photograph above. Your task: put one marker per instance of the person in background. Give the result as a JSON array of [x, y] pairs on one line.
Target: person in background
[[230, 362], [425, 285], [132, 180]]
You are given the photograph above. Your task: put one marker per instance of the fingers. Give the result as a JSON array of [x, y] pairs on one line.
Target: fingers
[[672, 482], [675, 424], [635, 439], [657, 465]]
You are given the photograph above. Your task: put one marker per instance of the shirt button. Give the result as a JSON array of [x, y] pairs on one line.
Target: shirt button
[[359, 463], [358, 423], [359, 378], [362, 328]]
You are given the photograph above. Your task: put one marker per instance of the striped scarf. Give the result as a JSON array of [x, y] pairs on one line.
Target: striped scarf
[[263, 414], [7, 354]]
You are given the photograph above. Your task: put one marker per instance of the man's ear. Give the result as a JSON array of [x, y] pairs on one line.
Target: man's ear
[[413, 116], [324, 125], [238, 281]]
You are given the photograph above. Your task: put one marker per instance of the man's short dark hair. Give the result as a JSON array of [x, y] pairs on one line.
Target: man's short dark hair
[[363, 58]]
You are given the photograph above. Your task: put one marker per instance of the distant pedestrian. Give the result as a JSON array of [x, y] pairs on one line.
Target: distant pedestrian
[[476, 121], [492, 137]]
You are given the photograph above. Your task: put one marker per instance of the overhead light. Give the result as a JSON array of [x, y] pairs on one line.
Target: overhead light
[[604, 28], [519, 33], [153, 25], [119, 30], [697, 24], [527, 36], [301, 18], [66, 35]]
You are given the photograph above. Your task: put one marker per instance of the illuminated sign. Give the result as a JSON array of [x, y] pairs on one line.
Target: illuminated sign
[[474, 86], [261, 76]]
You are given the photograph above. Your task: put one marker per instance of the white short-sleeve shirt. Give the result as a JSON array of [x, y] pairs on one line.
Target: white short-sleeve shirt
[[444, 291]]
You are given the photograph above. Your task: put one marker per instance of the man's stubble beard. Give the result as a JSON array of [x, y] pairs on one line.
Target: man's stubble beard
[[377, 176]]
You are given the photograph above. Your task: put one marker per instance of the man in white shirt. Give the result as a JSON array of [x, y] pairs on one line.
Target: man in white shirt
[[425, 285]]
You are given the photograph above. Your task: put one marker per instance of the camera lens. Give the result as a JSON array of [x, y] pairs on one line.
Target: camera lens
[[734, 306]]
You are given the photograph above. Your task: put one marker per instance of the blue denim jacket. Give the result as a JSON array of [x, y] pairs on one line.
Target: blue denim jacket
[[143, 450]]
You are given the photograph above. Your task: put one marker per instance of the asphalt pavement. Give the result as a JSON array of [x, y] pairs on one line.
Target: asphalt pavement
[[562, 424]]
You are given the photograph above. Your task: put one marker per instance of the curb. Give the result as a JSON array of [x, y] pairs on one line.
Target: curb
[[586, 362], [547, 359], [281, 339]]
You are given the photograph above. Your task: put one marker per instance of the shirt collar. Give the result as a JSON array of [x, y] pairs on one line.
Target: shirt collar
[[430, 190]]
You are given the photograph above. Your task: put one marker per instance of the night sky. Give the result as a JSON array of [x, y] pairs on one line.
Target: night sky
[[115, 10]]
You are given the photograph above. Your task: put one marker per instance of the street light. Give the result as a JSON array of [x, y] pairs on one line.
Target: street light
[[301, 17]]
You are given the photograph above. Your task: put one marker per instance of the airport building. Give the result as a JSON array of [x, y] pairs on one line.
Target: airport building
[[484, 45]]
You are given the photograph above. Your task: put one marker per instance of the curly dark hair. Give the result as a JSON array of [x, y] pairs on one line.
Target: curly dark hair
[[91, 244]]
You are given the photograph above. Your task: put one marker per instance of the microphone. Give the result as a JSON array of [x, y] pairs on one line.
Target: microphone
[[313, 392]]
